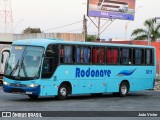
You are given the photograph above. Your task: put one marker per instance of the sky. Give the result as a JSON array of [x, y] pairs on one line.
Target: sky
[[50, 14]]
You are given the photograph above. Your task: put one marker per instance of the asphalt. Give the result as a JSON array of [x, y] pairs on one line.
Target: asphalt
[[137, 101]]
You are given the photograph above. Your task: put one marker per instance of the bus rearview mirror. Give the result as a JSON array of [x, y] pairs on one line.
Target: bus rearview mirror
[[2, 59]]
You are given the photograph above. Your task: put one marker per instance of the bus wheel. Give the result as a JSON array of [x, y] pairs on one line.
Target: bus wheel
[[123, 89], [63, 92], [33, 96]]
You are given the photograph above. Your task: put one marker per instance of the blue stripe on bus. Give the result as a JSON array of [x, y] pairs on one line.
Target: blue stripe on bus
[[126, 72]]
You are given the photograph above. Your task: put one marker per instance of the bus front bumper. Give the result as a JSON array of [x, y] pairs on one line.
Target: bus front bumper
[[22, 90]]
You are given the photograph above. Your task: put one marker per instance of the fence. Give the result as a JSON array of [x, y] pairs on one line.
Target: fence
[[6, 37], [66, 36]]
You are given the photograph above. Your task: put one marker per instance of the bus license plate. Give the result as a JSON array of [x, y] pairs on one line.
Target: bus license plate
[[28, 92]]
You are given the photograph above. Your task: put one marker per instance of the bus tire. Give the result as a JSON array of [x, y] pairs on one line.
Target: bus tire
[[63, 92], [33, 96], [123, 89]]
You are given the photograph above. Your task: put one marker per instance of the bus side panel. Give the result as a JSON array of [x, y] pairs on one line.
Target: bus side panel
[[48, 88], [100, 79], [100, 86], [143, 78], [81, 79], [88, 79], [150, 77], [112, 85]]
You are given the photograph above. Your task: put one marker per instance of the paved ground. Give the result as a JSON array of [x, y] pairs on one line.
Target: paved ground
[[138, 101]]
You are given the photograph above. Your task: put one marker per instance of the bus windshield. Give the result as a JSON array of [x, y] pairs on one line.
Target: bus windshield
[[24, 63]]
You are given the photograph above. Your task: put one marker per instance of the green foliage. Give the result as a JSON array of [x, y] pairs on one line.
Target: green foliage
[[91, 38], [31, 30], [142, 34]]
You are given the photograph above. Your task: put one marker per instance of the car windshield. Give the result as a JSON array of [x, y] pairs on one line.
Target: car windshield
[[24, 62]]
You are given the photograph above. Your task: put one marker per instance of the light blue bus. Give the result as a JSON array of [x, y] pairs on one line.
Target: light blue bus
[[53, 67]]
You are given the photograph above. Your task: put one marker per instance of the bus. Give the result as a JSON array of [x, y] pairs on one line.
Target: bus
[[4, 51], [113, 5], [53, 67]]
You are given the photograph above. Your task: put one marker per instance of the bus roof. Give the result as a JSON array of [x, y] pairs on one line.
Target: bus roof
[[46, 42]]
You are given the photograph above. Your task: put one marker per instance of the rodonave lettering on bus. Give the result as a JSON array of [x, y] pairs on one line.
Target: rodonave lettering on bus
[[92, 73]]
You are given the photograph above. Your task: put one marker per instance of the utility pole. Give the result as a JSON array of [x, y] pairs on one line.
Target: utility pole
[[99, 23], [6, 19], [6, 15], [85, 27]]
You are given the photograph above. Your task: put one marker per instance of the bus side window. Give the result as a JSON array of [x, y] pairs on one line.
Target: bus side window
[[148, 57], [125, 56], [82, 55], [115, 56], [61, 54], [47, 67], [98, 55], [109, 56], [94, 55], [86, 55], [137, 57], [50, 62], [78, 55], [112, 55], [68, 54], [101, 55]]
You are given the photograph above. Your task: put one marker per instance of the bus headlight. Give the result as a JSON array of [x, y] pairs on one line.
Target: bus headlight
[[32, 85], [6, 83]]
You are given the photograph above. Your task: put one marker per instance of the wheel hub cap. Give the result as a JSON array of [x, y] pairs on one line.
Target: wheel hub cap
[[63, 91], [124, 89]]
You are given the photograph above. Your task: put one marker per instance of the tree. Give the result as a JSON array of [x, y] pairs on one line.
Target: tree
[[91, 38], [31, 30], [142, 34]]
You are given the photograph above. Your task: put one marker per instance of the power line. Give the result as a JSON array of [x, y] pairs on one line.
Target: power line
[[89, 24], [63, 26], [76, 30]]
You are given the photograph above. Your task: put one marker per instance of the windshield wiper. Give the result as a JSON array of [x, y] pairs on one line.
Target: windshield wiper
[[24, 68], [15, 68]]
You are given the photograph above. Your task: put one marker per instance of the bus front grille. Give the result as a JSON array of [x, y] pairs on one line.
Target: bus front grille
[[16, 90], [17, 85]]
